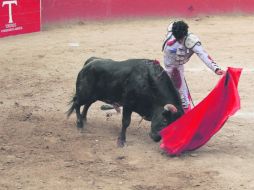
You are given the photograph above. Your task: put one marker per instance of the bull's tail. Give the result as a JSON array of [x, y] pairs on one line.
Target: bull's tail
[[73, 106]]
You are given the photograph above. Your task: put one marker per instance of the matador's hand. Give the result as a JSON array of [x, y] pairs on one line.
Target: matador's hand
[[220, 72]]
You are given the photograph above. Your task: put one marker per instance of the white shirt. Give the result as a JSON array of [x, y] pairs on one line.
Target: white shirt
[[176, 54]]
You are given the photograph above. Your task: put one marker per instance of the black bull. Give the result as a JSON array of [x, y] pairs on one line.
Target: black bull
[[139, 85]]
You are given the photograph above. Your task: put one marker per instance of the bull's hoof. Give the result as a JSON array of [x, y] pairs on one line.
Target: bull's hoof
[[120, 142], [81, 130], [80, 125]]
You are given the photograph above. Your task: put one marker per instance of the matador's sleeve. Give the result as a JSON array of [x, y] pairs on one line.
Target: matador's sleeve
[[201, 53]]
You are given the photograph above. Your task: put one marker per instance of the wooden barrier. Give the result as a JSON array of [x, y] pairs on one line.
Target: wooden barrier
[[24, 16], [61, 10]]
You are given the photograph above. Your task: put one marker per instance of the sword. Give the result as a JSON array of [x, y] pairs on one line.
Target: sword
[[189, 93]]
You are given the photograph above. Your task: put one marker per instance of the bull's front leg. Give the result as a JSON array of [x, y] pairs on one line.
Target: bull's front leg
[[126, 119]]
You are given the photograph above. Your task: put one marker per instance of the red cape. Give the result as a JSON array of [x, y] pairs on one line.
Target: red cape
[[196, 127]]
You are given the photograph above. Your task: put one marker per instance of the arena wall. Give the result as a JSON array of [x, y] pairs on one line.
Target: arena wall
[[61, 10]]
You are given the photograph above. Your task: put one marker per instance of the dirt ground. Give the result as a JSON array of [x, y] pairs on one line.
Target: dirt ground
[[41, 149]]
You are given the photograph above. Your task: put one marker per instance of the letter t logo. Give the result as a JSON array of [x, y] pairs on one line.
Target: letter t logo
[[9, 3]]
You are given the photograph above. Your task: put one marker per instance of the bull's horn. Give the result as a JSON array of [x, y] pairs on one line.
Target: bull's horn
[[170, 107]]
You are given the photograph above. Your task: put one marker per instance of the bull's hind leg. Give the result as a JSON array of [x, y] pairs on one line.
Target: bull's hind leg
[[79, 117], [76, 106], [126, 119], [85, 109]]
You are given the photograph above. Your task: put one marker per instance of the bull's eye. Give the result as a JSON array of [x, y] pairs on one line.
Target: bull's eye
[[165, 122]]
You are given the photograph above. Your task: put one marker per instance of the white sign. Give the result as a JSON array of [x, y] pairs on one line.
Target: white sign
[[10, 3]]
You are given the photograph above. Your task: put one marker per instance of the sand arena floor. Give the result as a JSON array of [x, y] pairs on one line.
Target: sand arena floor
[[41, 149]]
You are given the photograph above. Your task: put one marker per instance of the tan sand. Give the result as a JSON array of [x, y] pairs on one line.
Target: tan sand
[[41, 149]]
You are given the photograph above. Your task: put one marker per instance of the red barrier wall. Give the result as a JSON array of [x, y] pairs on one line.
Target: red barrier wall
[[59, 10]]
